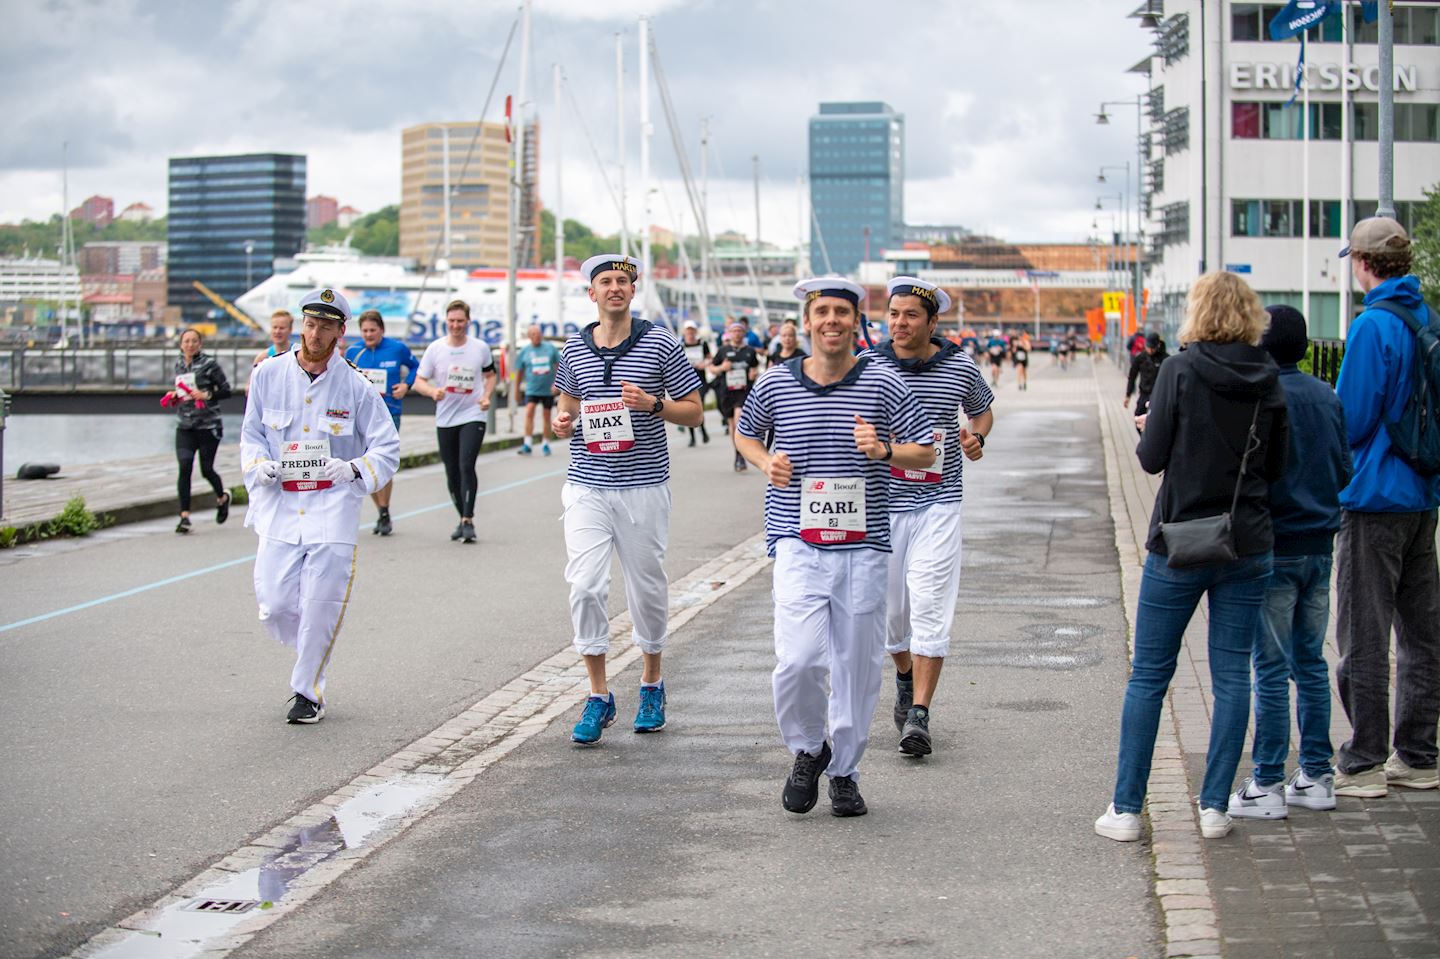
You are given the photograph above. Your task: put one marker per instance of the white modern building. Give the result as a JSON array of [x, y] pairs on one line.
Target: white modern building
[[1228, 169]]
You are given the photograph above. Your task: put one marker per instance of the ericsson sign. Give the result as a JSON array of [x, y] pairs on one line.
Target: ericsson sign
[[1321, 77]]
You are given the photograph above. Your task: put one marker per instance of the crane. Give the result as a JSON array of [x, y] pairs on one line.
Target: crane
[[224, 304]]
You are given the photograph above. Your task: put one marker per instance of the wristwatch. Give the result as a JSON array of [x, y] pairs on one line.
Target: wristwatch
[[889, 450], [659, 405]]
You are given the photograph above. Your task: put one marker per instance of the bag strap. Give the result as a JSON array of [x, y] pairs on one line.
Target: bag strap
[[1404, 312], [1251, 442]]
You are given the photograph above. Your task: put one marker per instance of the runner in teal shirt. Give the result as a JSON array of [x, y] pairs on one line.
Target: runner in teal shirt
[[535, 380]]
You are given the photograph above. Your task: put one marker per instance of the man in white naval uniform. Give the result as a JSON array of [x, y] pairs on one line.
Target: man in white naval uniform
[[316, 439]]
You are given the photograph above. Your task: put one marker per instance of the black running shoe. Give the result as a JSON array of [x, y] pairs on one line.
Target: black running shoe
[[459, 532], [467, 532], [904, 699], [382, 525], [802, 787], [845, 799], [915, 737], [184, 525], [304, 711], [222, 509]]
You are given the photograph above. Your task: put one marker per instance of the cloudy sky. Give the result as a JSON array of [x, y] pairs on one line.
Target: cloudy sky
[[998, 96]]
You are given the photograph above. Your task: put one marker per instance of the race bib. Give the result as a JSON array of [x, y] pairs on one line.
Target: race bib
[[736, 378], [540, 364], [302, 465], [932, 475], [695, 354], [185, 384], [996, 350], [378, 379], [1021, 356], [832, 510], [460, 379], [606, 426]]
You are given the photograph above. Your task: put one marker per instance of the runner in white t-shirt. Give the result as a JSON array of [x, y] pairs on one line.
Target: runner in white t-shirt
[[458, 373]]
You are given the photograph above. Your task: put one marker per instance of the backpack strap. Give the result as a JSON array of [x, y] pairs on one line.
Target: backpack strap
[[1404, 312]]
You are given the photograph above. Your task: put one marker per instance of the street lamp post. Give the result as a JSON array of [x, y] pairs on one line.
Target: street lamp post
[[1103, 118], [249, 249]]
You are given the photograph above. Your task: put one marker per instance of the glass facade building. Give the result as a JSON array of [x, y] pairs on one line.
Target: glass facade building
[[218, 207], [857, 184]]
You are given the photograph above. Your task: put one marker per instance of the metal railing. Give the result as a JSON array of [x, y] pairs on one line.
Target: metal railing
[[1325, 358], [116, 370]]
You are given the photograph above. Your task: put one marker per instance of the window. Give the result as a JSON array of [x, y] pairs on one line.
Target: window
[[1283, 218], [1175, 131], [1414, 122], [1245, 121], [1245, 22], [1251, 22], [1417, 25]]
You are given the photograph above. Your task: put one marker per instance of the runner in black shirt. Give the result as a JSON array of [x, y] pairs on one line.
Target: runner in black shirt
[[736, 364], [697, 351]]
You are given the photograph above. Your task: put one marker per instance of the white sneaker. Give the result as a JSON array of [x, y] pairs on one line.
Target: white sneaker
[[1310, 793], [1259, 802], [1398, 773], [1119, 826], [1215, 823]]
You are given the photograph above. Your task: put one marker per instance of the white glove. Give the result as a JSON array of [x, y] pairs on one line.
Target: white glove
[[266, 472], [338, 471]]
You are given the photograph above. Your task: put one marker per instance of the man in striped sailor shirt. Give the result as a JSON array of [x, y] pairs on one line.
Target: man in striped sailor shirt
[[924, 576], [840, 423], [613, 380]]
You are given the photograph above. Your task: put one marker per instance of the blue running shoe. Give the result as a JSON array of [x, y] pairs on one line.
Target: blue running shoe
[[545, 449], [650, 717], [599, 713]]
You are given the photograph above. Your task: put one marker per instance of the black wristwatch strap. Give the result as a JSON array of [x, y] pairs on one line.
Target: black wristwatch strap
[[659, 405], [889, 450], [981, 438]]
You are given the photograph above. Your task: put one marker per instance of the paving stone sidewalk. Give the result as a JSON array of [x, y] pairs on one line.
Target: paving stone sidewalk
[[1362, 881]]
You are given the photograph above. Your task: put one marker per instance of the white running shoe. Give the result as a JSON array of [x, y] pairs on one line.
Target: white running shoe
[[1251, 801], [1119, 826], [1310, 793], [1399, 773], [1215, 823]]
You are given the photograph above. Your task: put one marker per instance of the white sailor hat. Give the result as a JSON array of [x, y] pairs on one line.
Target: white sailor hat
[[914, 286], [325, 304], [604, 262], [838, 286]]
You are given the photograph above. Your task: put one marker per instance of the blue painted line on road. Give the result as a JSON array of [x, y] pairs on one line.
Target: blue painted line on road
[[171, 580]]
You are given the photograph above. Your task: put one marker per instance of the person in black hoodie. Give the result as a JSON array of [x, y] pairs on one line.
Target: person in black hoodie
[[1144, 367], [1290, 644], [200, 385], [1196, 433]]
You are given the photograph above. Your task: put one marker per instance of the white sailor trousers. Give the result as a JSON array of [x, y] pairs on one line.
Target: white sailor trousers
[[302, 590], [635, 524], [924, 581], [829, 623]]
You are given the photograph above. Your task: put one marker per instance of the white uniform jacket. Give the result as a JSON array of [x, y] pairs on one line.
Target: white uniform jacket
[[340, 405]]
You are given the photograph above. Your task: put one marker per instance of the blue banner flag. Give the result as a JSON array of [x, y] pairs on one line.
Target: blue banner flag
[[1370, 10], [1299, 16]]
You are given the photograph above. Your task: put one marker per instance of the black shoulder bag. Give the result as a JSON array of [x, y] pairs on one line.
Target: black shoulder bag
[[1210, 539]]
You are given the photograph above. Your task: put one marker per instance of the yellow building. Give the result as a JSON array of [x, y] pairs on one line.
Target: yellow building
[[479, 199]]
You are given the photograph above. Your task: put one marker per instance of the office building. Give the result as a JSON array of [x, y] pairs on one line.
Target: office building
[[857, 184], [1226, 173], [434, 154], [321, 211], [230, 217]]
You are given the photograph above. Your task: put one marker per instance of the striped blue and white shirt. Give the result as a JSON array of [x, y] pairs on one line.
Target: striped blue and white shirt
[[815, 426], [651, 359], [947, 382]]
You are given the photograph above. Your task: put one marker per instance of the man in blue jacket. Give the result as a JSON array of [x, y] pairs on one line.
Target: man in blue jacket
[[1386, 563], [390, 366], [1290, 643]]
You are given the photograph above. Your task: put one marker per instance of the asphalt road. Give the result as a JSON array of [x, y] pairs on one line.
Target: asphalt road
[[676, 844], [145, 735]]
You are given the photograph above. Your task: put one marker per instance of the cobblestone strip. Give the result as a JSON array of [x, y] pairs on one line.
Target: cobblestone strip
[[453, 754], [1182, 881]]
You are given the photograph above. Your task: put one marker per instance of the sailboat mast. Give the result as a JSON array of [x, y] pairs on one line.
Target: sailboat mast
[[645, 131], [620, 140], [517, 179], [559, 209]]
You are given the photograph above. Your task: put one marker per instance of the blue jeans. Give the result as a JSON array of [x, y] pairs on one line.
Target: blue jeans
[[1168, 598], [1290, 644]]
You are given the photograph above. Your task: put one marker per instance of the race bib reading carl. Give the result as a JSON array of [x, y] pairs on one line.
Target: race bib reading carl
[[606, 426], [832, 509]]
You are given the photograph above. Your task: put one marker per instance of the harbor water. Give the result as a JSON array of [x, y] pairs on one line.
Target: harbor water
[[72, 439]]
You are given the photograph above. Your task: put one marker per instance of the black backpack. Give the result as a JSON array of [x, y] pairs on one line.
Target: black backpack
[[1415, 436]]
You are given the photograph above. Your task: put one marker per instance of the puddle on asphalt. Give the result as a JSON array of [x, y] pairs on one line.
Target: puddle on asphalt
[[180, 932]]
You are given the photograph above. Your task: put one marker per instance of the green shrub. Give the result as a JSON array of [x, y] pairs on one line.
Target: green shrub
[[74, 519], [239, 496], [9, 536]]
